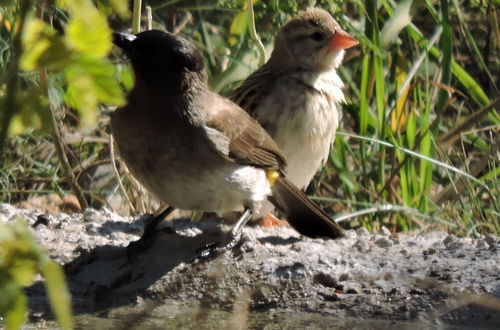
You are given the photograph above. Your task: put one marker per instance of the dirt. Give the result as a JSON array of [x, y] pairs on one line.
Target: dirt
[[274, 279]]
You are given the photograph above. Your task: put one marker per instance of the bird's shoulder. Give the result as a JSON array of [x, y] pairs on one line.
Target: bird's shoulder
[[254, 90], [247, 142]]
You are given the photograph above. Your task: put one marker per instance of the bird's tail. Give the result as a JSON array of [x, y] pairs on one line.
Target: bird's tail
[[302, 213]]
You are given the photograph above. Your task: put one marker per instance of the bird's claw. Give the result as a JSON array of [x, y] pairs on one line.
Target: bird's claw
[[214, 249], [208, 252]]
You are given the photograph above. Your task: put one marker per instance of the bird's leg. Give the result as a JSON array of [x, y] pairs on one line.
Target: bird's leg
[[146, 239], [212, 250]]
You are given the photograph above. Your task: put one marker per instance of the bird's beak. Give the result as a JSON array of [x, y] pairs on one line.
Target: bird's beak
[[123, 40], [341, 40]]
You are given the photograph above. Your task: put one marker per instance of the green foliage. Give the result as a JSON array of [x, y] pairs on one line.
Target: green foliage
[[45, 70], [21, 258], [80, 53], [405, 86], [422, 69]]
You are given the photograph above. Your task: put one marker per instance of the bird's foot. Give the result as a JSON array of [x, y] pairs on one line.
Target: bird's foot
[[269, 220], [212, 250]]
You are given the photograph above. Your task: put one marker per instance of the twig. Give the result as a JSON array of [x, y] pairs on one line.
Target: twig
[[115, 170], [454, 189], [253, 33], [454, 134], [184, 20], [59, 143], [149, 18], [136, 17]]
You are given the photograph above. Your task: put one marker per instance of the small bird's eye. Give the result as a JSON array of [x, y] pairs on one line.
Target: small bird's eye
[[317, 36]]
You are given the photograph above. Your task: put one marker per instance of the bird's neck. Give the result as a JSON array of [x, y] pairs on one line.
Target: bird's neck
[[282, 58], [181, 95]]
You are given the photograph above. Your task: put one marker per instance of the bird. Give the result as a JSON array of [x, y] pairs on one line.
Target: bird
[[196, 150], [296, 94]]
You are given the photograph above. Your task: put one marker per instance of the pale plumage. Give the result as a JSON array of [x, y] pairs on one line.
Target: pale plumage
[[295, 96]]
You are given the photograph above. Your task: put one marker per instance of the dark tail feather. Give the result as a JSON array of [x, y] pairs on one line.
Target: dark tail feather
[[302, 213]]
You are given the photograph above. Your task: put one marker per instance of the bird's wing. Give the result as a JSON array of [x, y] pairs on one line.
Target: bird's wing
[[254, 90], [248, 143]]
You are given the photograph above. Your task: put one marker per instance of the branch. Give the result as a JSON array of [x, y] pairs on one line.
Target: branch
[[253, 34]]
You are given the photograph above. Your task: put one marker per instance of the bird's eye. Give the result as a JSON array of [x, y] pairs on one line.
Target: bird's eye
[[317, 36]]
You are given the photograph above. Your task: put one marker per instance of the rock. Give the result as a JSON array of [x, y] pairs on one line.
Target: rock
[[384, 231], [452, 243], [491, 239], [92, 215], [8, 211], [482, 245], [285, 276], [362, 232], [450, 239], [52, 204], [326, 280], [384, 242], [44, 220], [47, 203], [350, 234], [362, 245], [70, 204]]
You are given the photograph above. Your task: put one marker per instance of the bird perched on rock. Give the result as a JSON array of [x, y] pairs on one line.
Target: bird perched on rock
[[295, 96], [196, 150]]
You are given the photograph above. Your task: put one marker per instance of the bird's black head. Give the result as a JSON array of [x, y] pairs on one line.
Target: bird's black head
[[159, 56]]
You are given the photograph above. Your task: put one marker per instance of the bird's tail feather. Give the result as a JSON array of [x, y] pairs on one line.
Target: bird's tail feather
[[302, 213]]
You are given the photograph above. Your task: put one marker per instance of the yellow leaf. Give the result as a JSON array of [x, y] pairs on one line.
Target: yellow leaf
[[43, 48], [91, 81], [399, 114], [239, 26], [91, 37]]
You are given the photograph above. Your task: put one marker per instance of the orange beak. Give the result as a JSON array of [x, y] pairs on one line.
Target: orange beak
[[341, 40]]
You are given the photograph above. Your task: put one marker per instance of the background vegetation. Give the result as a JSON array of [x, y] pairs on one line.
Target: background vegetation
[[418, 146]]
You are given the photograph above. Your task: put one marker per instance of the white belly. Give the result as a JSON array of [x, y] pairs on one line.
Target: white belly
[[183, 170], [225, 189]]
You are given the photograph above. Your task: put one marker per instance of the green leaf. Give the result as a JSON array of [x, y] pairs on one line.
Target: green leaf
[[34, 113], [43, 48], [125, 76], [58, 292], [91, 81], [238, 27], [89, 34], [9, 290], [6, 3], [16, 316]]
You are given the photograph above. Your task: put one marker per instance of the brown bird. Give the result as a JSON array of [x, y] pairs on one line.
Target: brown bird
[[295, 96], [196, 150]]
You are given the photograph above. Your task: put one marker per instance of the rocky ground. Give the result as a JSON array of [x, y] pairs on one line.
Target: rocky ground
[[274, 279]]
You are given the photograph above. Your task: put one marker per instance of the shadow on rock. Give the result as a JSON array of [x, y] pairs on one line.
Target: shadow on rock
[[104, 277], [276, 240]]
